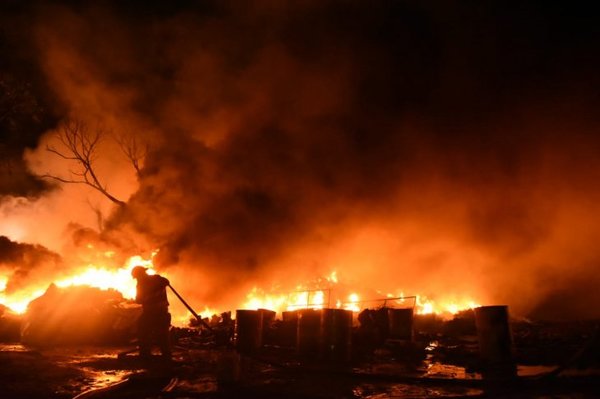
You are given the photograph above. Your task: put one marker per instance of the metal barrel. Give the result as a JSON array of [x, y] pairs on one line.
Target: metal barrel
[[290, 315], [400, 323], [268, 317], [382, 321], [248, 330], [289, 328], [309, 331], [336, 333], [495, 341]]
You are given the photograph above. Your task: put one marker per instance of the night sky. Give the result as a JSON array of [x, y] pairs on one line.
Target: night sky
[[422, 145]]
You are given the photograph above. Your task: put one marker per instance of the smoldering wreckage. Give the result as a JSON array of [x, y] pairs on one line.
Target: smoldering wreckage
[[88, 351]]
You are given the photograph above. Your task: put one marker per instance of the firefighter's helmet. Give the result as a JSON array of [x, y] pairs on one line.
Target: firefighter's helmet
[[138, 271]]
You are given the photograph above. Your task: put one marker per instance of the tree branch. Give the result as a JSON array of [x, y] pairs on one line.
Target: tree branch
[[81, 147], [133, 150]]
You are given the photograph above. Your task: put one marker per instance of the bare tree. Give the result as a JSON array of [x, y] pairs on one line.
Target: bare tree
[[80, 147], [133, 150], [98, 212]]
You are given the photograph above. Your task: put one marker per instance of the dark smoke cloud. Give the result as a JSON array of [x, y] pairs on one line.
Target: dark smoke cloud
[[25, 263], [25, 113], [455, 145], [22, 120]]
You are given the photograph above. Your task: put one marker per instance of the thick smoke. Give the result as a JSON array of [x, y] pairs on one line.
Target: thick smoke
[[384, 142], [25, 264]]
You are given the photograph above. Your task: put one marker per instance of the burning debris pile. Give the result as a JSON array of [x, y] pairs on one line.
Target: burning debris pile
[[82, 305], [79, 315]]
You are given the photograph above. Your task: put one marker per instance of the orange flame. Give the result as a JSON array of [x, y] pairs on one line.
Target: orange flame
[[319, 298], [103, 278], [120, 280], [93, 276]]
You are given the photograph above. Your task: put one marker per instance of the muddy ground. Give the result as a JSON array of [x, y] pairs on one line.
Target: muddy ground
[[551, 364]]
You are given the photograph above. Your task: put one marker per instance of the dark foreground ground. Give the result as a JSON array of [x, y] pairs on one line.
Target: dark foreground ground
[[551, 365]]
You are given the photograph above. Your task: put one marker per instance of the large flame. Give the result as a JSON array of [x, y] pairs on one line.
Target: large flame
[[90, 275], [17, 302], [334, 295], [103, 278]]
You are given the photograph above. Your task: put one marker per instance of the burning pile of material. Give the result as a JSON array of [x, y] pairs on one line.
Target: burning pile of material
[[84, 303], [79, 315]]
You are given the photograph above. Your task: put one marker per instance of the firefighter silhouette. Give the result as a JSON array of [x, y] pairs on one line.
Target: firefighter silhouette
[[155, 321]]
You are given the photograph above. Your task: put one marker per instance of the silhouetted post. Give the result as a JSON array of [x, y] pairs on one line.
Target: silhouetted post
[[249, 325], [495, 341]]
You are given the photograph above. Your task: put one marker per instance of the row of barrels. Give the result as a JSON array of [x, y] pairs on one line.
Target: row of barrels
[[327, 333], [316, 333]]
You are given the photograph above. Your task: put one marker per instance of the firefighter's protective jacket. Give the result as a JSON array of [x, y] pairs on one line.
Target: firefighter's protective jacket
[[152, 292]]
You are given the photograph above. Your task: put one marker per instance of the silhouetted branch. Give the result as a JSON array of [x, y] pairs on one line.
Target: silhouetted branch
[[99, 215], [80, 146], [133, 150]]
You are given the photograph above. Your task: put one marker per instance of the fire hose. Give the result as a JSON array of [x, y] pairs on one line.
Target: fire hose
[[196, 315]]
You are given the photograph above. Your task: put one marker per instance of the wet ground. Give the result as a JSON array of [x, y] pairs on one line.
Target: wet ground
[[221, 373], [57, 373]]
